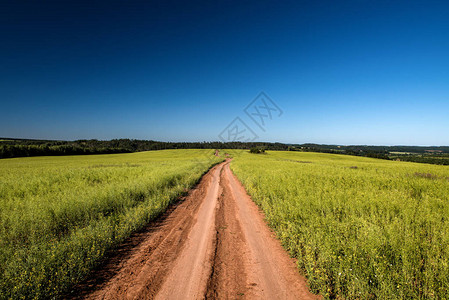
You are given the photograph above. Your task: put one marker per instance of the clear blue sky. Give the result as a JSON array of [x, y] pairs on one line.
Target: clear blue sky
[[344, 72]]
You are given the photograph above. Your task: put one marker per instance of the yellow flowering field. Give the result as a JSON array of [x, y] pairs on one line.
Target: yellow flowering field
[[360, 228], [58, 215]]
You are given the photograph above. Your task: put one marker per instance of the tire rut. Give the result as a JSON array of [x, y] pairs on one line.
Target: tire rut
[[228, 278]]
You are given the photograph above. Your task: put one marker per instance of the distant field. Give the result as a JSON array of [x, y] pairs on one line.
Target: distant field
[[436, 159], [60, 214], [361, 228], [402, 153]]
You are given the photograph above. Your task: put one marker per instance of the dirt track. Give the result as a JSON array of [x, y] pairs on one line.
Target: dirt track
[[213, 245]]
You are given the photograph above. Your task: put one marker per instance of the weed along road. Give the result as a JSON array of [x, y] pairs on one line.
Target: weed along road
[[213, 245]]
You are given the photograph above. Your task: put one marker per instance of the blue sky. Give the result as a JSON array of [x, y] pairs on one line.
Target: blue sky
[[343, 72]]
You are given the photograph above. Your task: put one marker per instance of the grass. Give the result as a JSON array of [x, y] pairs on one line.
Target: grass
[[59, 215], [360, 228]]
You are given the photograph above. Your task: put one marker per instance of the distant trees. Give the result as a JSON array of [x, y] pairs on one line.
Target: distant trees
[[256, 150], [9, 151], [426, 159], [19, 148]]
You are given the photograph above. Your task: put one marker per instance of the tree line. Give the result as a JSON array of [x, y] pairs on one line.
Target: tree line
[[22, 148], [25, 147]]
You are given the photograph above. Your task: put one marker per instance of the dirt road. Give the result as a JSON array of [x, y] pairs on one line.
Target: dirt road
[[213, 245]]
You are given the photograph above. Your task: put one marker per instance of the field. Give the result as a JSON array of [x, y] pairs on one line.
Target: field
[[59, 215], [360, 228]]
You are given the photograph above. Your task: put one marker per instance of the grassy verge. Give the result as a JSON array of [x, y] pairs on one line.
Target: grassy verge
[[361, 228], [61, 214]]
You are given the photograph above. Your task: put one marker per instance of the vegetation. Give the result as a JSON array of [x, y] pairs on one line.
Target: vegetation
[[9, 151], [429, 155], [360, 228], [60, 214], [436, 159], [372, 149], [256, 150], [22, 148]]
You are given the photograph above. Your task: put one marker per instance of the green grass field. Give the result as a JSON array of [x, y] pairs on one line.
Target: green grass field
[[361, 228], [60, 214]]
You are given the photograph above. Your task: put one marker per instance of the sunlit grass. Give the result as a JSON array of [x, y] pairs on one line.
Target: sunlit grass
[[60, 214], [361, 228]]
